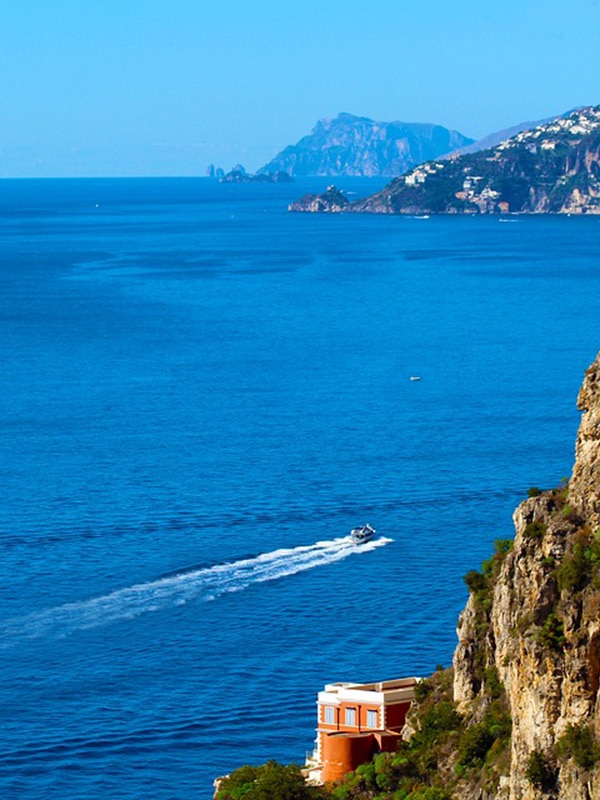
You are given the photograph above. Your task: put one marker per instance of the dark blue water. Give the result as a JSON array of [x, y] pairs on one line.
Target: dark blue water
[[201, 395]]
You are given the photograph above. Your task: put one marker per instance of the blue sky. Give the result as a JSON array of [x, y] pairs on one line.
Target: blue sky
[[164, 87]]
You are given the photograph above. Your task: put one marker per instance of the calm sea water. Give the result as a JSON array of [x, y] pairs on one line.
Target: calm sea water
[[201, 395]]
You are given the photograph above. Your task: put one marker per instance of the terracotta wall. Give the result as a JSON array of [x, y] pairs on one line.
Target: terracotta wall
[[344, 753]]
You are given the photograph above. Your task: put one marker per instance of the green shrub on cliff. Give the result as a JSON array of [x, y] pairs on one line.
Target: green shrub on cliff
[[539, 772], [579, 744], [580, 564], [535, 530], [551, 634], [270, 781]]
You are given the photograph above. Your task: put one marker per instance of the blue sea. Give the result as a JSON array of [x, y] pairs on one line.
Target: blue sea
[[201, 395]]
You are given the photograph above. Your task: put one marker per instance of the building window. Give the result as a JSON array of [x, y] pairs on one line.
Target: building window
[[371, 719], [350, 717], [330, 715]]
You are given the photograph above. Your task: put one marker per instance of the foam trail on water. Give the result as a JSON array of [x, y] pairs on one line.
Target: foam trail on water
[[200, 585]]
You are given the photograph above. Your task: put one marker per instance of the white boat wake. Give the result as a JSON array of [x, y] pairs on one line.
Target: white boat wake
[[203, 584]]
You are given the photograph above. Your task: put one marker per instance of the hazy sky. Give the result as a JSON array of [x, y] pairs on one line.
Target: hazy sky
[[164, 87]]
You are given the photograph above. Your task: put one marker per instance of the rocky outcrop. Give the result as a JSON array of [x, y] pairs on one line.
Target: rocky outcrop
[[350, 145], [330, 200], [241, 176], [535, 620]]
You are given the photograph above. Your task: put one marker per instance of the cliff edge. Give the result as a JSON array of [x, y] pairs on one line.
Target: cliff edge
[[534, 619]]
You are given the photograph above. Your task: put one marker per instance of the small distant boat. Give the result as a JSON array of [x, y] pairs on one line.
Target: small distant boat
[[415, 377], [362, 535]]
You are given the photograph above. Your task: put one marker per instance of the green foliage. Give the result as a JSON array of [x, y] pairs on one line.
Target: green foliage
[[580, 564], [569, 513], [572, 575], [535, 530], [579, 744], [429, 793], [421, 690], [477, 740], [498, 721], [474, 744], [480, 584], [270, 781], [493, 684], [551, 634], [491, 567], [503, 546], [534, 492], [561, 495], [539, 772], [476, 581], [438, 718]]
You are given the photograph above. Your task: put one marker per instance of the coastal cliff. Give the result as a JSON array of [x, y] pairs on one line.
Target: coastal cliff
[[518, 715], [553, 168], [536, 623]]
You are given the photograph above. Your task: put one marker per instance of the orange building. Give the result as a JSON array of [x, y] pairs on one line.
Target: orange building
[[355, 721]]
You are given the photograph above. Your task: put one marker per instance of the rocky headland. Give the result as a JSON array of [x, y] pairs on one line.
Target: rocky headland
[[517, 717], [553, 168], [330, 200]]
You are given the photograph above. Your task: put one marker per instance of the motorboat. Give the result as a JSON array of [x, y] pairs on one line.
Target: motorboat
[[362, 535]]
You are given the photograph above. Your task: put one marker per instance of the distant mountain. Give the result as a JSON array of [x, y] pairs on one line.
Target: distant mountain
[[349, 145], [492, 139], [553, 168]]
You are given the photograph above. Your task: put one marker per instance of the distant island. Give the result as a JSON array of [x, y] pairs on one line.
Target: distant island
[[359, 146], [235, 176], [552, 168]]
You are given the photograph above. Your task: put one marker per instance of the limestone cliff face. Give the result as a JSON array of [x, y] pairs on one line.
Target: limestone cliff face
[[584, 490], [539, 627]]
